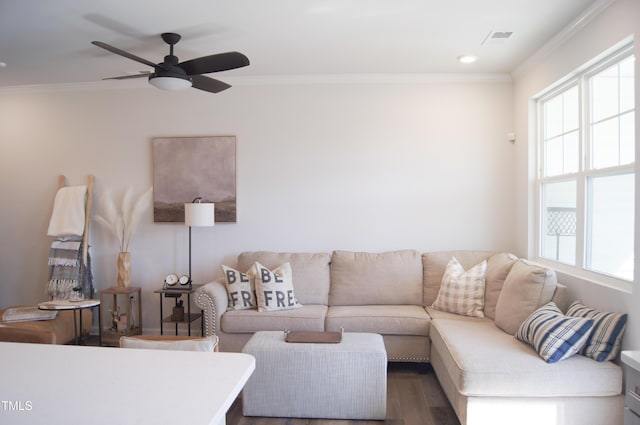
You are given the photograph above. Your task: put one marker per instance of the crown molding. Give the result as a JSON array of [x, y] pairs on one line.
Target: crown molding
[[355, 79], [562, 37], [276, 80]]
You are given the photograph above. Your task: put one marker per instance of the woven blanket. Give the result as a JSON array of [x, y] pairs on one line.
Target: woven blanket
[[67, 272], [64, 253]]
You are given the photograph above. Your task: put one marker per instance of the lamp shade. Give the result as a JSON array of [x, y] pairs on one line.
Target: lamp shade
[[170, 83], [199, 214]]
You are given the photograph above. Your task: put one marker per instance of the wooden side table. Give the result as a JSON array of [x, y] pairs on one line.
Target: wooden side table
[[129, 298]]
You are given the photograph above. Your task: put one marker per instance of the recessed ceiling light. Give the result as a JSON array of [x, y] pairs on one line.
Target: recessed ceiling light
[[3, 65], [467, 58]]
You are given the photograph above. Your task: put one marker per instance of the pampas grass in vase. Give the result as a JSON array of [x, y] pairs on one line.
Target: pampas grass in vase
[[122, 224]]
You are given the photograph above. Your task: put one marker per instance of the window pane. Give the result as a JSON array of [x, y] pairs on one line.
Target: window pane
[[604, 94], [610, 225], [571, 110], [604, 139], [627, 84], [553, 117], [553, 154], [571, 152], [559, 221], [627, 139]]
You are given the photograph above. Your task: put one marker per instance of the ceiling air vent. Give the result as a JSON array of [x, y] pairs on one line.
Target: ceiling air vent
[[496, 37]]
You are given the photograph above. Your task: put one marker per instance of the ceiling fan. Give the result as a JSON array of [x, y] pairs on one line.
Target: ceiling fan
[[173, 75]]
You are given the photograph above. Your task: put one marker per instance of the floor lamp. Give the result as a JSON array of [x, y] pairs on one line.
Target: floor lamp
[[198, 214]]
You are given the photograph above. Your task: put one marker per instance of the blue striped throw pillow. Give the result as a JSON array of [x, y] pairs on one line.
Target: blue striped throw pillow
[[604, 342], [552, 334]]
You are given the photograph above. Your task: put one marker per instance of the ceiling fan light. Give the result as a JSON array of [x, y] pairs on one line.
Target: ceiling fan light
[[170, 83], [467, 58]]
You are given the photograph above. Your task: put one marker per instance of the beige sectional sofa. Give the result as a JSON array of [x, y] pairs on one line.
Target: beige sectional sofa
[[488, 375]]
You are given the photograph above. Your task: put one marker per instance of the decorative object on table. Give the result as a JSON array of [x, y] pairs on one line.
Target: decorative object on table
[[124, 269], [178, 312], [197, 214], [115, 318], [122, 224], [27, 314], [187, 167], [313, 337], [172, 281], [69, 262]]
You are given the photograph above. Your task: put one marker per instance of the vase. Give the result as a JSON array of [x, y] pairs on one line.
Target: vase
[[124, 269]]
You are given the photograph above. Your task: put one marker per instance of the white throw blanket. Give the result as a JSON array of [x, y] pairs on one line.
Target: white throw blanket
[[68, 217]]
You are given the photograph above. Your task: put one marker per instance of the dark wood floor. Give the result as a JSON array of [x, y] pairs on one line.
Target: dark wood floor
[[413, 398]]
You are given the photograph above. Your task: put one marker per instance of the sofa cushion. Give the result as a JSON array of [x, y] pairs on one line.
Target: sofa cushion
[[382, 319], [462, 292], [552, 334], [527, 287], [435, 263], [310, 272], [498, 267], [604, 342], [482, 360], [274, 288], [310, 317], [362, 278], [438, 314], [240, 289]]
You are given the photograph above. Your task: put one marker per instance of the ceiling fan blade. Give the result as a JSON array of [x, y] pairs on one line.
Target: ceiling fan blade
[[208, 84], [214, 63], [126, 77], [123, 53]]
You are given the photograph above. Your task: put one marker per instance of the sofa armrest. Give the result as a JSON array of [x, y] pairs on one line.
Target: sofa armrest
[[212, 299]]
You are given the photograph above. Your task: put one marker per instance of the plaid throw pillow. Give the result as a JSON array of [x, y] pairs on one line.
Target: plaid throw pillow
[[462, 292], [552, 334], [604, 342]]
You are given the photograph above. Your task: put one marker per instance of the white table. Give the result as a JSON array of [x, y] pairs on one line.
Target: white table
[[63, 384]]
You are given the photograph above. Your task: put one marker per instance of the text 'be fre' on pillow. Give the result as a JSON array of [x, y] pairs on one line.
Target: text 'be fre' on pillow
[[552, 334], [462, 292], [240, 289], [274, 288]]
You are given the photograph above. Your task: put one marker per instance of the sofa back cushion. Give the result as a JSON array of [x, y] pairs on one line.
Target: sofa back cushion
[[435, 263], [498, 267], [310, 272], [364, 278]]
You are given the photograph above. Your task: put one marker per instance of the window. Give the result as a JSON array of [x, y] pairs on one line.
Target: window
[[586, 170]]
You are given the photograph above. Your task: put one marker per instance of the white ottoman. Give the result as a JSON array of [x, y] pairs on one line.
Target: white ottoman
[[332, 381]]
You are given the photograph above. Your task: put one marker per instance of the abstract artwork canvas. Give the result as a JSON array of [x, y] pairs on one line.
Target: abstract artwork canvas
[[185, 168]]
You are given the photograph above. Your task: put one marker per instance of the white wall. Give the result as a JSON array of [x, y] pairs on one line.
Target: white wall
[[320, 167], [590, 39]]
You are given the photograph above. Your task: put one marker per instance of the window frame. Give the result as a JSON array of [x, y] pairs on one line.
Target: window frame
[[580, 79]]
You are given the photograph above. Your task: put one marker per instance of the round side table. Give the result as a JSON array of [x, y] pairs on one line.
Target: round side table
[[75, 306]]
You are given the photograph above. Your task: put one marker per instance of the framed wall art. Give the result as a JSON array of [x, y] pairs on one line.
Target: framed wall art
[[185, 168]]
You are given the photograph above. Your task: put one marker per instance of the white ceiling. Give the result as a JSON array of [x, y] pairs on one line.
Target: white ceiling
[[48, 42]]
